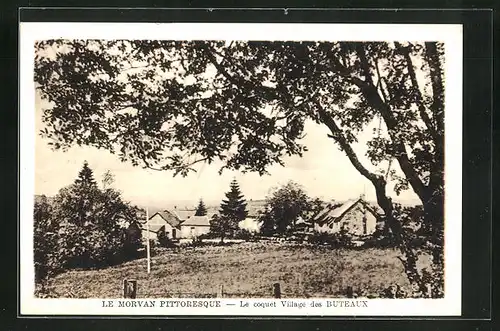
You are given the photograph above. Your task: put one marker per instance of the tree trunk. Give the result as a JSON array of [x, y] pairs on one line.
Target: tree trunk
[[410, 260], [434, 221]]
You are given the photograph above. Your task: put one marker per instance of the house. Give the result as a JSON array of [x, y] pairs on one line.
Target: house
[[357, 217], [177, 224], [165, 221], [194, 226]]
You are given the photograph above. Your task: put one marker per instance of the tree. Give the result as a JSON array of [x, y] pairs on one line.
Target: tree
[[201, 210], [232, 211], [220, 227], [45, 230], [89, 218], [108, 179], [284, 206], [169, 105]]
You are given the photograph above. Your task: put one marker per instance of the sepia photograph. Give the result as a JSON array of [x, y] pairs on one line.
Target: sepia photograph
[[243, 168]]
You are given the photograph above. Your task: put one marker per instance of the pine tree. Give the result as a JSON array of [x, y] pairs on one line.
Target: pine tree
[[86, 177], [201, 210], [232, 210]]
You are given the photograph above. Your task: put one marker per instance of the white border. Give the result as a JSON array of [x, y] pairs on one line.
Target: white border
[[451, 35]]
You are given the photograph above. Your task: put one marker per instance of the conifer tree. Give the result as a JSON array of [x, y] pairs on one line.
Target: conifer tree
[[86, 176], [232, 210], [201, 210]]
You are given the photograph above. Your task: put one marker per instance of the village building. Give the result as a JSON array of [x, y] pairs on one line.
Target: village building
[[164, 221], [357, 217], [177, 224]]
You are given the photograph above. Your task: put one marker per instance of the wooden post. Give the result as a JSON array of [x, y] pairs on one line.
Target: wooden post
[[129, 289], [350, 292], [277, 290], [148, 248], [220, 291], [299, 276]]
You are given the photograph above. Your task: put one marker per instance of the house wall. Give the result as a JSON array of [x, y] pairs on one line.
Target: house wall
[[353, 221], [157, 222], [188, 231], [332, 228], [151, 235]]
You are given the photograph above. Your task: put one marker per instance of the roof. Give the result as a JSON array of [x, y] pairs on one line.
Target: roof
[[196, 221], [183, 214], [169, 218], [152, 227], [330, 214], [166, 216]]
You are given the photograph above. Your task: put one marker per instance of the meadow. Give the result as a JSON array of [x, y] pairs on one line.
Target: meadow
[[247, 269]]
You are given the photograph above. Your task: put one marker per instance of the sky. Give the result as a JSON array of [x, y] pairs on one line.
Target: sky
[[323, 171]]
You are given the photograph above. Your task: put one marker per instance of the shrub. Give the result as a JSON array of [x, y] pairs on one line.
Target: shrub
[[243, 234], [46, 233], [163, 239], [341, 239]]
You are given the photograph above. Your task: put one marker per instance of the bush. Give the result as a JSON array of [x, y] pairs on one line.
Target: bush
[[163, 239], [47, 257], [340, 239], [243, 234]]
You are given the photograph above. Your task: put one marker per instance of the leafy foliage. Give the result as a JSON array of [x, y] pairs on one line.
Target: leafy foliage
[[341, 239], [45, 230], [163, 239], [87, 220], [284, 207]]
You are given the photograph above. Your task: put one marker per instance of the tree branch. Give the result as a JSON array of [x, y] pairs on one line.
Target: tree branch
[[437, 84], [338, 136], [373, 97], [420, 100], [436, 181], [379, 82], [240, 82]]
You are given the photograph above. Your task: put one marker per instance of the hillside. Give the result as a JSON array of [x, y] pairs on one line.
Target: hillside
[[246, 270]]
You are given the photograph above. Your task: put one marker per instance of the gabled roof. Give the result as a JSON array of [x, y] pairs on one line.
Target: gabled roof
[[168, 217], [183, 215], [330, 214], [196, 221]]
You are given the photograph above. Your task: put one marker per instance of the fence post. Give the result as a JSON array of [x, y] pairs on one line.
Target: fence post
[[350, 292], [277, 290], [220, 291], [299, 276], [129, 289]]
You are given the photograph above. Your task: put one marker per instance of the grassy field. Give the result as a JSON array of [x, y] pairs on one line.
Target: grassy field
[[244, 270]]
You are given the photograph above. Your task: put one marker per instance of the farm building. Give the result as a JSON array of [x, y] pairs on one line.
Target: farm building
[[194, 226], [177, 224], [357, 217], [164, 221]]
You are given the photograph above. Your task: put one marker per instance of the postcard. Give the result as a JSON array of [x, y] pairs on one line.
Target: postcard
[[199, 169]]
